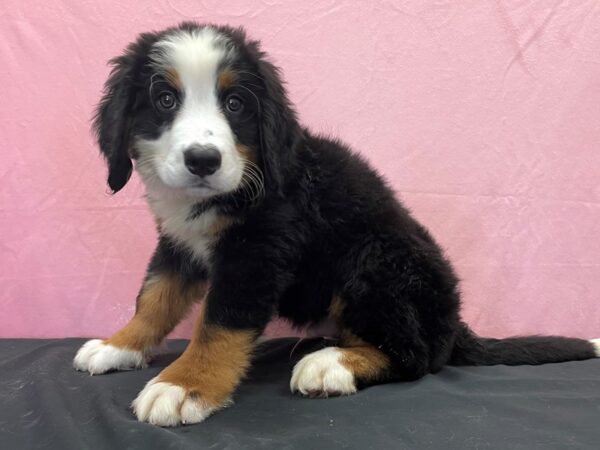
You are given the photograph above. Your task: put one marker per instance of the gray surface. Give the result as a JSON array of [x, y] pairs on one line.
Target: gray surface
[[44, 403]]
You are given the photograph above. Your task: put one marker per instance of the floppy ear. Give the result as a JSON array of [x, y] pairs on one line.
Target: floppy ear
[[113, 116], [280, 134]]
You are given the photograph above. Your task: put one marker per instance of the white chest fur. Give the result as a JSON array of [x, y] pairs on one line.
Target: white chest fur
[[198, 234]]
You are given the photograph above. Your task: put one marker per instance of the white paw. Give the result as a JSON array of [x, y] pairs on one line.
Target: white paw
[[167, 405], [596, 344], [321, 374], [97, 357]]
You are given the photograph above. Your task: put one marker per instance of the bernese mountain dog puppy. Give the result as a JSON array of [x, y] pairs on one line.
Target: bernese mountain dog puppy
[[262, 217]]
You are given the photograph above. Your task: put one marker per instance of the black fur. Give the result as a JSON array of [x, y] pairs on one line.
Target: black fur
[[114, 115], [327, 225]]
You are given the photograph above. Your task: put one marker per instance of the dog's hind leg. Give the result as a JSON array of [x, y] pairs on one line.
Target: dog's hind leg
[[381, 340], [340, 370]]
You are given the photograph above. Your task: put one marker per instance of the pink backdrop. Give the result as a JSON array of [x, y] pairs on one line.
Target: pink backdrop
[[484, 115]]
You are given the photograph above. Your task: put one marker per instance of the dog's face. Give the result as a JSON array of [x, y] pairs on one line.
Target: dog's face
[[193, 115], [198, 108]]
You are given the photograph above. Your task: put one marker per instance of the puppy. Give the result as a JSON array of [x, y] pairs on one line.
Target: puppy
[[280, 221]]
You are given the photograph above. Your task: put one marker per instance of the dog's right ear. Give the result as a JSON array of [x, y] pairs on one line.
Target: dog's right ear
[[112, 121]]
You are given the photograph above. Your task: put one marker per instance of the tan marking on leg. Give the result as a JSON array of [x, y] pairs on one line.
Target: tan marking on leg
[[364, 360], [336, 308], [366, 363], [162, 303], [213, 364], [226, 79]]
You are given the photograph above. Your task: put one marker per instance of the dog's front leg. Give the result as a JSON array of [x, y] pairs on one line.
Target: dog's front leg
[[201, 380], [169, 289], [239, 304]]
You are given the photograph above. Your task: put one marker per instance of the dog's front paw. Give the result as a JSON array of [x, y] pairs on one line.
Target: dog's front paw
[[322, 374], [96, 357], [168, 405]]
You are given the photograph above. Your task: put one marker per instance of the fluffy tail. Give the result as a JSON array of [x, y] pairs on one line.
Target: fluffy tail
[[472, 350]]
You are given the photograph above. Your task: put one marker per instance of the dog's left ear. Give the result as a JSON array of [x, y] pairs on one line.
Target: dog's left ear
[[280, 133], [113, 116]]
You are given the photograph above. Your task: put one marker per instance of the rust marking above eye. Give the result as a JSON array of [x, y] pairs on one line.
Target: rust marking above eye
[[226, 79], [173, 79]]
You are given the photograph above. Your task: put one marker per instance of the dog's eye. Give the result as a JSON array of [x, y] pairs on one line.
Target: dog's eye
[[234, 104], [166, 101]]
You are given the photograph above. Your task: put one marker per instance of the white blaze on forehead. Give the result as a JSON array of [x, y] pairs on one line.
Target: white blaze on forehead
[[195, 55]]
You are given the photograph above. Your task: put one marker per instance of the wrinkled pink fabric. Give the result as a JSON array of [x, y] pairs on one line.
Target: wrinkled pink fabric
[[484, 116]]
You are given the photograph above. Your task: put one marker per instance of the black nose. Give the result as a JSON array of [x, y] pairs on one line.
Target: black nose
[[202, 160]]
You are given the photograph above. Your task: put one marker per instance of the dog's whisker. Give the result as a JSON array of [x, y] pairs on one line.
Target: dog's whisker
[[253, 179], [248, 189]]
